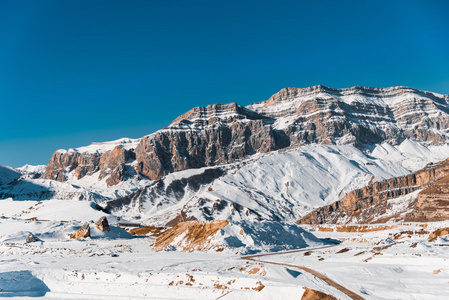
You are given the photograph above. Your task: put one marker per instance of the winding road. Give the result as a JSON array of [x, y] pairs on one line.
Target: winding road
[[324, 278]]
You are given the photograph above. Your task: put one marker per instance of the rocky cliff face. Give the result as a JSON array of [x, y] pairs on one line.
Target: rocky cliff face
[[215, 135], [360, 115], [365, 204], [220, 134], [432, 203], [111, 160]]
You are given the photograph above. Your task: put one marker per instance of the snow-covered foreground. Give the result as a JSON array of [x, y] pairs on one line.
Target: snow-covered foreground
[[114, 265], [400, 262]]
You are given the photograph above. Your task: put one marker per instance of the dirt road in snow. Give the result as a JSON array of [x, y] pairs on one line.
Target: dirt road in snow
[[308, 270]]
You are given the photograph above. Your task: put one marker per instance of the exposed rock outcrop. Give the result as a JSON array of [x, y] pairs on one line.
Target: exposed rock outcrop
[[362, 205], [31, 238], [110, 159], [83, 232], [432, 203], [214, 135], [195, 235], [224, 133], [102, 224], [439, 232], [311, 294]]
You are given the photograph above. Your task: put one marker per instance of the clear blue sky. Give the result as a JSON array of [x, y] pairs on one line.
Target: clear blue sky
[[75, 72]]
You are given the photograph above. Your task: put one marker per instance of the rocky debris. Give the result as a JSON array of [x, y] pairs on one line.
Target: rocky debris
[[31, 238], [310, 294], [83, 232], [362, 205], [224, 133], [146, 230], [439, 232], [190, 235], [102, 224]]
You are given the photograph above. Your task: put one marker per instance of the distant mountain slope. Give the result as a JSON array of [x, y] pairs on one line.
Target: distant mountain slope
[[420, 196], [225, 133], [8, 174]]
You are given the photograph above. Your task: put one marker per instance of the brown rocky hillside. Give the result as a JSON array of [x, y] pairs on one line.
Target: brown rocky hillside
[[365, 205]]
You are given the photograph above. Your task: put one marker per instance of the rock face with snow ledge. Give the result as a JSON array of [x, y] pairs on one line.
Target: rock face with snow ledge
[[110, 159], [361, 115], [220, 134], [367, 204]]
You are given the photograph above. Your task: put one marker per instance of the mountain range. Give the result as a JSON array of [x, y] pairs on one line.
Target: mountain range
[[278, 160]]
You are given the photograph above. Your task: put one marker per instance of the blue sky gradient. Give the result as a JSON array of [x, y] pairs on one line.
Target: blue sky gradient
[[76, 72]]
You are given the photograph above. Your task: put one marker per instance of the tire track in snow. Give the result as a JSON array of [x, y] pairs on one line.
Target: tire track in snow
[[315, 273]]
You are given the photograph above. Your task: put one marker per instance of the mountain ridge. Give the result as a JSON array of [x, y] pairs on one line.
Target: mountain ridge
[[224, 133]]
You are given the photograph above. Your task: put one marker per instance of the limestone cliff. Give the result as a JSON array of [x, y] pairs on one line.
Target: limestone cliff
[[224, 133]]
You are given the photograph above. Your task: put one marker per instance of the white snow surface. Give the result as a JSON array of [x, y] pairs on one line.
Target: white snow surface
[[376, 265], [102, 147], [410, 154], [32, 169], [113, 266]]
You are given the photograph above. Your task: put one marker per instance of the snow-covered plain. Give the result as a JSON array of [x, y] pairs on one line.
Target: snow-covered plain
[[397, 263], [113, 265]]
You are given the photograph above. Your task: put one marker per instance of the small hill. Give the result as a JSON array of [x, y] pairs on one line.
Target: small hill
[[244, 237]]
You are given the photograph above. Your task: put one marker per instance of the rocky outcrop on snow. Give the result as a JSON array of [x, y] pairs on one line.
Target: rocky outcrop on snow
[[224, 133], [83, 232], [365, 204], [244, 237], [31, 238], [102, 224], [195, 236]]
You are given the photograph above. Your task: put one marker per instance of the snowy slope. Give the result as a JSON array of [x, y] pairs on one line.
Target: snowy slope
[[102, 147], [410, 154], [277, 186], [8, 174]]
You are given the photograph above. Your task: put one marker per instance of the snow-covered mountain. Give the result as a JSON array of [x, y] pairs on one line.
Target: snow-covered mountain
[[235, 180], [275, 160], [222, 134]]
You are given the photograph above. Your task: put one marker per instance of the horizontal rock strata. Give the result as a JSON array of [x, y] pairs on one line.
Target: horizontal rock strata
[[224, 133], [366, 203]]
